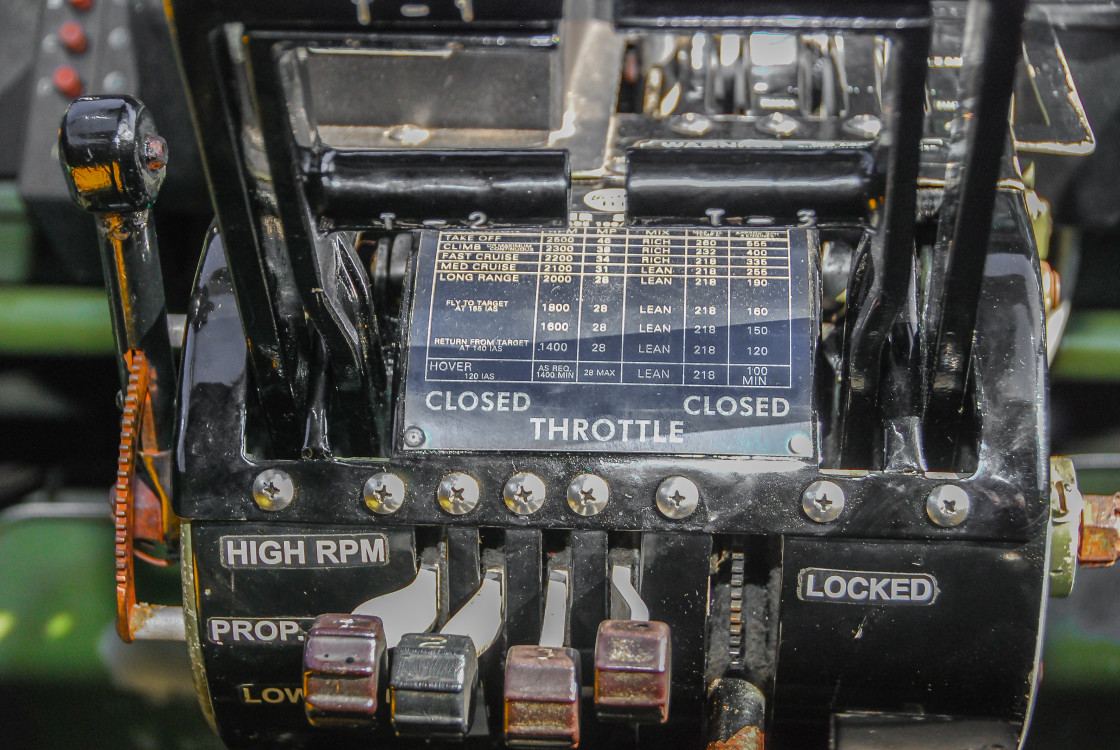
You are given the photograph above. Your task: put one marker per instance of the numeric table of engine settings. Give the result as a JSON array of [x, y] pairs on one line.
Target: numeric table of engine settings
[[609, 305]]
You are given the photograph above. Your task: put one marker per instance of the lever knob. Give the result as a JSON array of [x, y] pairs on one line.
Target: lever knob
[[632, 671], [431, 685], [113, 159], [542, 694], [343, 662]]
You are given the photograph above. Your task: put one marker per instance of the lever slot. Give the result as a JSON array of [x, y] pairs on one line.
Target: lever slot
[[557, 604], [480, 619], [623, 588], [434, 676], [413, 609]]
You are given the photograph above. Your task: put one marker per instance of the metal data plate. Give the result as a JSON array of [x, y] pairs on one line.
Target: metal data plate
[[607, 338]]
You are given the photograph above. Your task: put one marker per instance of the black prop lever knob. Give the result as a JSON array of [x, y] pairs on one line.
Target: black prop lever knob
[[112, 156]]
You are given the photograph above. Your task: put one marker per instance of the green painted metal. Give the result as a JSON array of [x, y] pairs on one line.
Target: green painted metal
[[55, 598], [48, 320], [16, 236], [1090, 348], [1075, 660], [66, 680], [55, 320]]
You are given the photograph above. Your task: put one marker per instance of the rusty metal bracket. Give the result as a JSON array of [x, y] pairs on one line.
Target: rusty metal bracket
[[1100, 530]]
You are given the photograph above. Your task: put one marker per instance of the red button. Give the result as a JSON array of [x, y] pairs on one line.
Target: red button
[[73, 37], [67, 82], [82, 5]]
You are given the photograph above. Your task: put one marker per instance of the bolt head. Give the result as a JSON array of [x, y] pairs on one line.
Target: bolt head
[[524, 493], [588, 494], [677, 497], [457, 493], [153, 152], [414, 437], [800, 444], [384, 493], [778, 124], [864, 126], [273, 490], [823, 501], [948, 505], [690, 123], [410, 135]]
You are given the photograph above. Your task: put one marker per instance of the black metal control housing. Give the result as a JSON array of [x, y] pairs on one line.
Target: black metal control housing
[[420, 300]]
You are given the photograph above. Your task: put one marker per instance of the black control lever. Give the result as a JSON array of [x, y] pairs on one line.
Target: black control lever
[[114, 163], [879, 285], [992, 48]]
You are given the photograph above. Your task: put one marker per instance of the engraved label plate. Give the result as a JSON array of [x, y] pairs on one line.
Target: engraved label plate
[[613, 339]]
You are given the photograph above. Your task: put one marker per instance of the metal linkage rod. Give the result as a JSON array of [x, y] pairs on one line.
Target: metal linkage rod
[[976, 152], [324, 271], [816, 14], [278, 354], [879, 289]]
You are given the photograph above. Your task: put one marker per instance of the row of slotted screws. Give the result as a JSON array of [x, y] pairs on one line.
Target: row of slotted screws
[[458, 493], [524, 494]]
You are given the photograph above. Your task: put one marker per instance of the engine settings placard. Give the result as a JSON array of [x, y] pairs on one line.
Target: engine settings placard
[[612, 339]]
